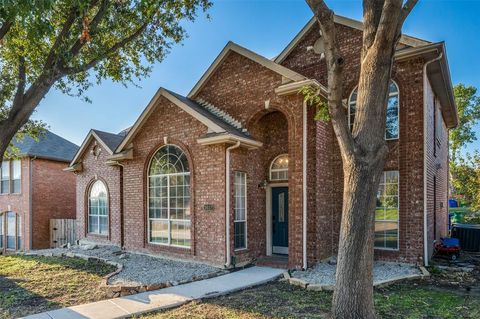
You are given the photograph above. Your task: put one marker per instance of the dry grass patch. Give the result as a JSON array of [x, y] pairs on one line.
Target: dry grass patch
[[32, 284]]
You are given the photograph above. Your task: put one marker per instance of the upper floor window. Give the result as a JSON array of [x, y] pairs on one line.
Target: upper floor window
[[392, 128], [10, 177], [98, 209], [169, 198], [279, 168]]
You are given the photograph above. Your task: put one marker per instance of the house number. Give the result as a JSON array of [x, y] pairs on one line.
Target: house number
[[209, 207]]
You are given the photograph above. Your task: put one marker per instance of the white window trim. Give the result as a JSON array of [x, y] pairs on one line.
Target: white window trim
[[7, 163], [246, 212], [271, 170], [389, 96], [98, 233], [168, 220], [398, 217]]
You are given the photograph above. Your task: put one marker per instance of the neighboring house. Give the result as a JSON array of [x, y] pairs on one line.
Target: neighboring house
[[239, 167], [35, 189]]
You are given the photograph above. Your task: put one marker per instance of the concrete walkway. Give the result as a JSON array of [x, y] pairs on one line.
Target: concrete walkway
[[165, 298]]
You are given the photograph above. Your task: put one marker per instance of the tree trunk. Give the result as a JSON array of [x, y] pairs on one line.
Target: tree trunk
[[353, 296]]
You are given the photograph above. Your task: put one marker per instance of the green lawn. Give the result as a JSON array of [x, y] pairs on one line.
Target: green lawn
[[35, 284], [281, 300]]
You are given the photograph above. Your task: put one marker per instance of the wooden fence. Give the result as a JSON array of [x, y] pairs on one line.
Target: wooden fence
[[62, 232]]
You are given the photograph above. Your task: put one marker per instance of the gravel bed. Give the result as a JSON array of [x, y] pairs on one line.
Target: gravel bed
[[324, 273], [141, 269]]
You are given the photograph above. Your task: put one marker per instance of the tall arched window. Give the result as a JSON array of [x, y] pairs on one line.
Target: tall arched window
[[279, 168], [392, 129], [10, 231], [169, 198], [98, 209]]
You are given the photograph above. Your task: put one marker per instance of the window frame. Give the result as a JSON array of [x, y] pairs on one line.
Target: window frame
[[245, 207], [107, 206], [168, 220], [398, 212], [349, 103], [17, 231], [271, 170], [12, 179], [8, 178]]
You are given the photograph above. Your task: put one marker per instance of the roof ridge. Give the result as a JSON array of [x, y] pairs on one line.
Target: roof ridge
[[220, 113]]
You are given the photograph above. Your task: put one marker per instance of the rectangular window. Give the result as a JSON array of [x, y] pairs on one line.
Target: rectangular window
[[11, 231], [386, 213], [2, 226], [5, 178], [16, 176], [240, 210]]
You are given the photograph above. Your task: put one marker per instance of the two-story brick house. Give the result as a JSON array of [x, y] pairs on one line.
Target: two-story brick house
[[240, 168], [34, 189]]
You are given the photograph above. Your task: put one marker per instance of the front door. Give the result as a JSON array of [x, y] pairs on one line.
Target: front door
[[280, 220]]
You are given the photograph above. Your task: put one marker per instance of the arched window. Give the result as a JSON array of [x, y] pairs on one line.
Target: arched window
[[392, 129], [169, 198], [98, 209], [10, 231], [279, 168]]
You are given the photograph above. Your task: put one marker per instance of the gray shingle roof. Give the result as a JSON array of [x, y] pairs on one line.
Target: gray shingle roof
[[49, 146], [219, 117], [111, 140]]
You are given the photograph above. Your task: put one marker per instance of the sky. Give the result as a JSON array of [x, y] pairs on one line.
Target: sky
[[263, 26]]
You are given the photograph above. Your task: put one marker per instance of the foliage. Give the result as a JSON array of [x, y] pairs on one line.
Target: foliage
[[32, 284], [466, 180], [311, 95], [468, 105], [73, 44]]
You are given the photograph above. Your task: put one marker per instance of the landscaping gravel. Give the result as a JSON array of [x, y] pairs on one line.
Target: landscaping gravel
[[324, 273], [139, 269]]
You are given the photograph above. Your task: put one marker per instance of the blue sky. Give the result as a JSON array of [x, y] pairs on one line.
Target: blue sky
[[265, 27]]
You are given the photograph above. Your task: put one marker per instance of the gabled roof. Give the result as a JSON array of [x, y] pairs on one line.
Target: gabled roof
[[109, 142], [233, 47], [213, 120], [49, 146], [355, 24]]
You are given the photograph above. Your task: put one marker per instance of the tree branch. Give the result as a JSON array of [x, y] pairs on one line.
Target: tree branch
[[5, 28], [335, 62], [21, 81], [407, 8], [372, 12], [119, 45], [77, 46]]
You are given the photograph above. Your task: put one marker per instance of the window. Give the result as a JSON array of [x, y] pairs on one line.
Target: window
[[98, 209], [10, 231], [5, 178], [240, 209], [169, 198], [392, 127], [279, 168], [16, 176], [2, 226], [386, 213]]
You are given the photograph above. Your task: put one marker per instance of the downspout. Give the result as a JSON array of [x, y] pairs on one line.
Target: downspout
[[227, 202], [304, 206], [30, 203], [425, 184]]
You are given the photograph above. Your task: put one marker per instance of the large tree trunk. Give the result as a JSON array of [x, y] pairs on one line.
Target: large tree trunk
[[353, 296]]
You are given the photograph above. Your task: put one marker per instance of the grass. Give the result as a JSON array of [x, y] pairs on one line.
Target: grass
[[31, 284], [281, 300]]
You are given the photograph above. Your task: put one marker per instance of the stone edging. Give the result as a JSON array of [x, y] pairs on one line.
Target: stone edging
[[379, 284], [113, 291]]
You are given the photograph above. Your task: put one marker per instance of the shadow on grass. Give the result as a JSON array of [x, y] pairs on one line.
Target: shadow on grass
[[16, 301]]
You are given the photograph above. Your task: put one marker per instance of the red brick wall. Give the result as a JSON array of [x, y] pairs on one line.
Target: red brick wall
[[95, 168], [20, 203], [207, 166], [405, 154], [53, 197]]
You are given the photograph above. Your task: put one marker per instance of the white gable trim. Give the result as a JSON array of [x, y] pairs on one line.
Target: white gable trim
[[233, 47], [355, 24], [212, 126], [91, 135]]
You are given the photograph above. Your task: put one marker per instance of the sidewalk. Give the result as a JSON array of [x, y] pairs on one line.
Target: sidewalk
[[165, 298]]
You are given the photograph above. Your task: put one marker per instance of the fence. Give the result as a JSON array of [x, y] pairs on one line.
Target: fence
[[62, 232]]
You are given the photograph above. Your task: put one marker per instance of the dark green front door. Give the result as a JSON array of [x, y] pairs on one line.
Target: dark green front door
[[280, 220]]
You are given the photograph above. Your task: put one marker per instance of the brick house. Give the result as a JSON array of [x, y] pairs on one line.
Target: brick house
[[35, 189], [239, 170]]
